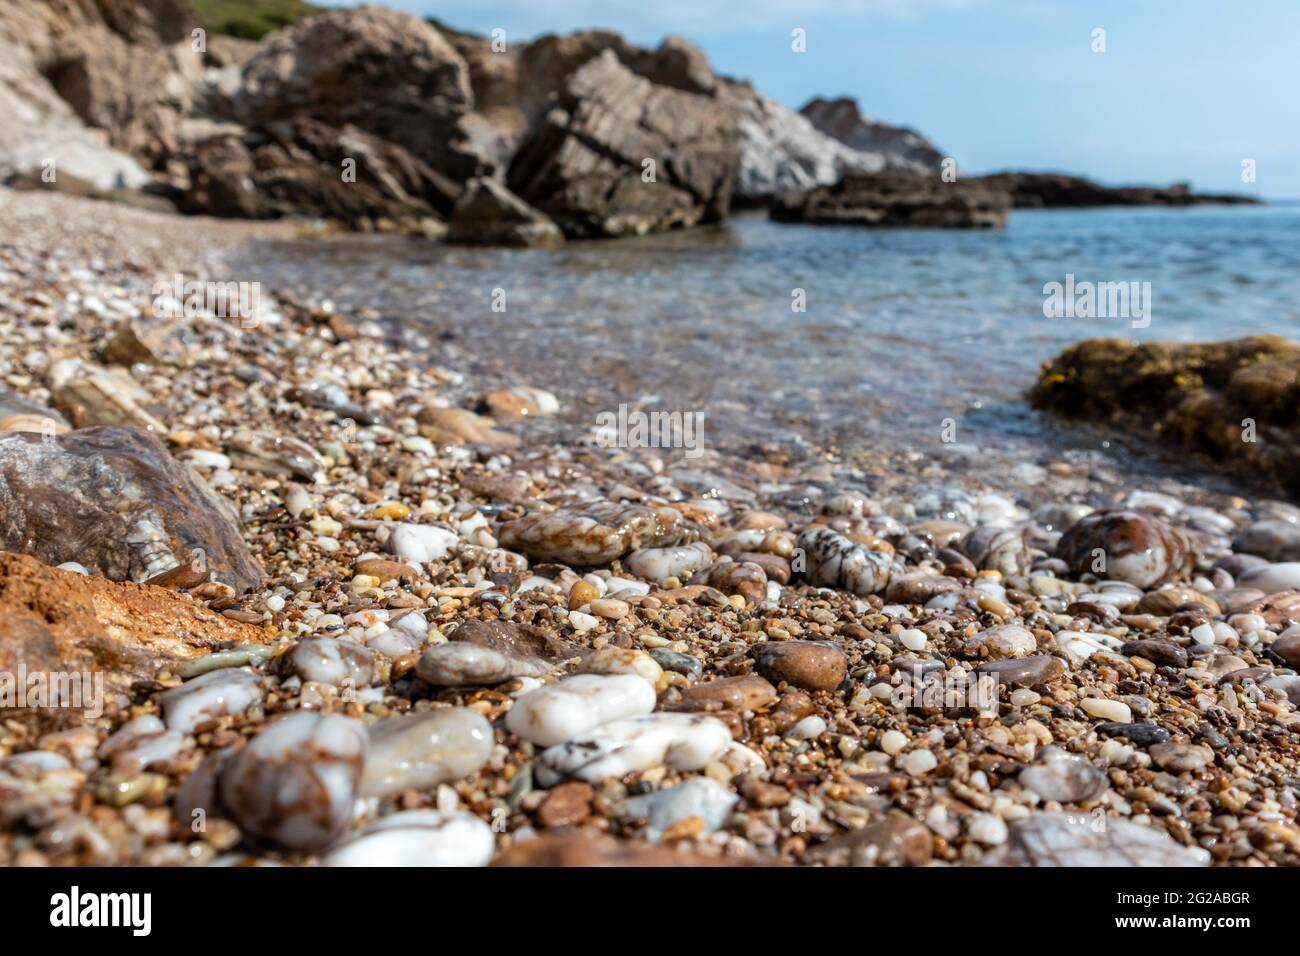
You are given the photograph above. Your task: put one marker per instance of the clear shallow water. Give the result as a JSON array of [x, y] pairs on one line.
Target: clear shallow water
[[903, 329]]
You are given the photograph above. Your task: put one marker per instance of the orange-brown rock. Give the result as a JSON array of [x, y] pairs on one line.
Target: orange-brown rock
[[61, 621]]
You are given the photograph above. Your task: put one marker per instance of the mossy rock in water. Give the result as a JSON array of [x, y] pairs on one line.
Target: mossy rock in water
[[1206, 397]]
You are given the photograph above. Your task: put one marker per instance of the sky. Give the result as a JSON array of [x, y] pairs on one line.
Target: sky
[[1184, 90]]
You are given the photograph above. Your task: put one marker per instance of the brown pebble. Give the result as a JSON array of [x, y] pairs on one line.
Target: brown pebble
[[812, 665], [567, 804]]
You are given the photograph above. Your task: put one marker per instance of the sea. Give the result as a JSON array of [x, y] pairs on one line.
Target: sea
[[816, 337]]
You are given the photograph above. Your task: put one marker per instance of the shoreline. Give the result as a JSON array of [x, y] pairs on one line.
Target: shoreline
[[472, 532]]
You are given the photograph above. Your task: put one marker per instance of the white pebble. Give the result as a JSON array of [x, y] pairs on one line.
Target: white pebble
[[892, 742], [913, 639], [920, 761], [559, 712], [417, 838]]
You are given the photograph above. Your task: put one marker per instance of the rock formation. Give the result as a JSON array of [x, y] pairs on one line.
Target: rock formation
[[1234, 400], [617, 155], [897, 199], [897, 146]]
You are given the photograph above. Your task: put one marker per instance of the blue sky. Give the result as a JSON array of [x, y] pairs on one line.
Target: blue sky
[[1186, 89]]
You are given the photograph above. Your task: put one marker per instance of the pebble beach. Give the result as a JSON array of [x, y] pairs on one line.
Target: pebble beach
[[447, 624]]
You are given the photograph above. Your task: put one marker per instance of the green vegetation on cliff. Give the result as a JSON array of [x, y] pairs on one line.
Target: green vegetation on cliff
[[252, 19]]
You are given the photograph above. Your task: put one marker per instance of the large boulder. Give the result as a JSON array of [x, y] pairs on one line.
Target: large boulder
[[85, 86], [114, 501], [295, 168], [513, 85], [488, 214], [782, 152], [1235, 401], [66, 624], [896, 146], [897, 199], [390, 74], [618, 155]]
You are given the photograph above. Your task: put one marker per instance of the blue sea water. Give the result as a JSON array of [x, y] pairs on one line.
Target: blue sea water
[[903, 329]]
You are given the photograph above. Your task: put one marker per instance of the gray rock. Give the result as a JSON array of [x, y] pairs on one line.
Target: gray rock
[[1143, 735], [489, 214], [113, 500], [691, 667], [1063, 777], [1275, 539], [587, 164], [893, 199], [467, 665], [897, 147], [701, 797], [1064, 839]]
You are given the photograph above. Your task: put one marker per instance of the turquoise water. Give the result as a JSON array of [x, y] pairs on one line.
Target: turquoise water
[[902, 329]]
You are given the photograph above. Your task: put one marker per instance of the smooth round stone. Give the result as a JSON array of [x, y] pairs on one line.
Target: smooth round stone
[[1180, 758], [1275, 539], [1143, 735], [746, 692], [700, 797], [1109, 710], [836, 561], [215, 694], [808, 728], [919, 762], [296, 782], [1273, 578], [1080, 646], [621, 660], [459, 664], [1025, 671], [810, 665], [682, 742], [988, 829], [581, 594], [1063, 777], [609, 608], [919, 587], [1203, 634], [1160, 653], [144, 741], [684, 664], [660, 564], [1288, 648], [913, 639], [559, 712], [1004, 641], [892, 742], [333, 660], [1136, 546], [420, 543], [417, 838], [406, 636], [422, 751]]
